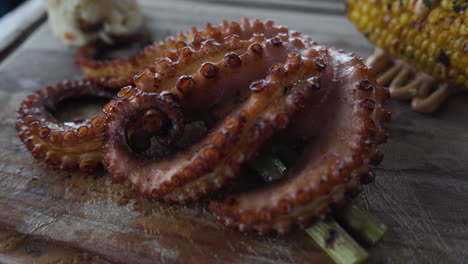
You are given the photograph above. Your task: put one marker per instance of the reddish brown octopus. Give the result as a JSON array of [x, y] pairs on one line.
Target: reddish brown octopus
[[253, 85]]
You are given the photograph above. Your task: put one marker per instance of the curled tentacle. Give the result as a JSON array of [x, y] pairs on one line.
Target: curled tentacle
[[207, 91], [151, 122], [210, 163], [143, 115], [64, 144], [340, 135]]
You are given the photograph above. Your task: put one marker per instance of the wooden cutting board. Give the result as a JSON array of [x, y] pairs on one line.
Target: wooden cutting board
[[421, 190]]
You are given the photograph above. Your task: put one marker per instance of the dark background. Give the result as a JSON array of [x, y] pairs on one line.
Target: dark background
[[8, 5]]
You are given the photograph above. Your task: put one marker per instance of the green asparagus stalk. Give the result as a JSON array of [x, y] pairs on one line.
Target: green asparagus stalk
[[269, 166], [336, 242], [361, 223]]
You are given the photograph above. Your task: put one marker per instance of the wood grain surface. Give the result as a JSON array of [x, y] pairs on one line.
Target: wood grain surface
[[421, 189]]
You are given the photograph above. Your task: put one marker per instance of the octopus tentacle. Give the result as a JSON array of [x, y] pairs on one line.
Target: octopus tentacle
[[85, 56], [118, 73], [214, 79], [64, 144], [188, 79], [218, 157], [87, 53], [113, 83], [341, 134]]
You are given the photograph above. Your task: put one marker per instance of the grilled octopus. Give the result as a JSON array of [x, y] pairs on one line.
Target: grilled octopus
[[253, 85], [51, 140]]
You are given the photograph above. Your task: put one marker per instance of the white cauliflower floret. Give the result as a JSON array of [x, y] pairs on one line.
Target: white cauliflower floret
[[79, 21]]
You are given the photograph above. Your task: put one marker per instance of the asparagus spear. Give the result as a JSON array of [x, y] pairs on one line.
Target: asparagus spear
[[360, 222], [269, 166], [336, 242]]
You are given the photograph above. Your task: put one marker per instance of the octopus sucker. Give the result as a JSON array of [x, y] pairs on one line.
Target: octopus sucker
[[67, 145], [340, 139]]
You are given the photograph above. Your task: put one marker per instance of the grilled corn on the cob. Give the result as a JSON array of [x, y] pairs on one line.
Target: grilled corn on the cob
[[430, 35]]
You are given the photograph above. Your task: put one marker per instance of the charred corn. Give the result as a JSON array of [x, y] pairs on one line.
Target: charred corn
[[428, 34]]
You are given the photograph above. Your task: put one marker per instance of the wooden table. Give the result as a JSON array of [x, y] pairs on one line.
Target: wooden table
[[421, 190]]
